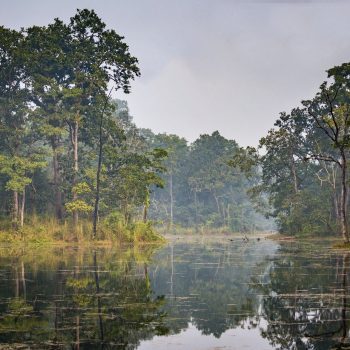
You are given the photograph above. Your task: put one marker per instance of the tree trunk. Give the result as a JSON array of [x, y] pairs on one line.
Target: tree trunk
[[228, 216], [171, 200], [98, 173], [335, 194], [146, 206], [145, 210], [343, 200], [75, 169], [15, 208], [217, 204], [196, 208], [99, 165], [56, 180], [294, 174], [223, 213], [125, 212], [336, 207], [22, 208]]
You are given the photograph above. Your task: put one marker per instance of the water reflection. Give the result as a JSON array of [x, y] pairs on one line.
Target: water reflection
[[183, 295], [306, 299], [85, 299], [210, 284]]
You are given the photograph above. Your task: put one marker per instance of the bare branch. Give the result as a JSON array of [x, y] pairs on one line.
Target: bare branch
[[322, 157], [333, 138]]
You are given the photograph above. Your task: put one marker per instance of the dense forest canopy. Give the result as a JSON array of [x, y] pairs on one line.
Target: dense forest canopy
[[202, 189]]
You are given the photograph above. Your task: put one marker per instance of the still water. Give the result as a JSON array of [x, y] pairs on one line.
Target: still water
[[188, 294]]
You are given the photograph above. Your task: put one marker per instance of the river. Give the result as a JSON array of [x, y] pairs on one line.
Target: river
[[191, 293]]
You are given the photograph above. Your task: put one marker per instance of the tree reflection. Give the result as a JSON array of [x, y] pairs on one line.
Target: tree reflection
[[209, 286], [92, 300], [115, 298], [306, 301]]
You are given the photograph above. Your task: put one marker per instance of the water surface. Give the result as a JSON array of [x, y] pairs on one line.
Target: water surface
[[188, 294]]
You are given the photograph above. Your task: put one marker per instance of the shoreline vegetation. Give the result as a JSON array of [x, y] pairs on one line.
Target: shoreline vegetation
[[50, 231], [49, 234], [47, 231], [39, 230]]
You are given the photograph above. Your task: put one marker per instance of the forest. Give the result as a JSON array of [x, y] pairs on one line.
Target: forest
[[304, 182], [73, 162], [157, 188]]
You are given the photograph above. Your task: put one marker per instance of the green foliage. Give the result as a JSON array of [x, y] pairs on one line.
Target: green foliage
[[54, 83], [55, 106], [17, 170], [144, 232], [81, 188], [114, 224], [304, 162], [78, 205], [58, 125], [113, 229], [203, 189]]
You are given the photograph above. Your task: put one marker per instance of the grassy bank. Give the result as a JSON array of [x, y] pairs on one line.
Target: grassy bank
[[39, 230]]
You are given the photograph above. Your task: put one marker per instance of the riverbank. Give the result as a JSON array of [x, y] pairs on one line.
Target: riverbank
[[50, 231]]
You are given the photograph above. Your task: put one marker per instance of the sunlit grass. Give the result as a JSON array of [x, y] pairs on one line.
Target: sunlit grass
[[39, 230]]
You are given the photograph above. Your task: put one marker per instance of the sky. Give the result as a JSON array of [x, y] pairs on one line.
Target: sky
[[206, 65]]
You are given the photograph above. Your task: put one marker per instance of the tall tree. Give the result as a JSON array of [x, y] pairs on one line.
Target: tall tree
[[177, 152], [283, 167], [329, 111], [16, 133], [50, 73], [77, 61]]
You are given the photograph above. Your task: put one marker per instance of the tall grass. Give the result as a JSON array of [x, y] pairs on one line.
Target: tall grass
[[49, 230]]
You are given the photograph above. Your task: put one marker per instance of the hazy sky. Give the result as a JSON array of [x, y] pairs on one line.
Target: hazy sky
[[212, 65]]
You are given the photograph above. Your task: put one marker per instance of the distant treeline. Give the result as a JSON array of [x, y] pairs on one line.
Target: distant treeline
[[304, 162], [202, 189]]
